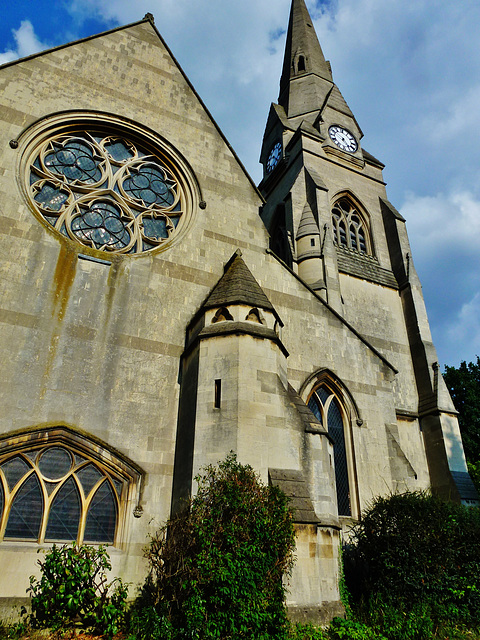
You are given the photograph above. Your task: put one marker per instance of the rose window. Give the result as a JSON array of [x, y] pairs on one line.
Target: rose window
[[107, 192]]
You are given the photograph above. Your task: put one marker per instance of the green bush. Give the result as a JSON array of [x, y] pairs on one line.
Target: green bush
[[73, 590], [306, 632], [397, 623], [341, 629], [217, 568], [416, 549]]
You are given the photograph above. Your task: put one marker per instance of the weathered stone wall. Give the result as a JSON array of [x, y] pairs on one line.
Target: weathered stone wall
[[101, 347], [94, 346]]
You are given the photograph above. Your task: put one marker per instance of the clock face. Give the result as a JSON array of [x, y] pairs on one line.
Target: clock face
[[343, 138], [274, 156]]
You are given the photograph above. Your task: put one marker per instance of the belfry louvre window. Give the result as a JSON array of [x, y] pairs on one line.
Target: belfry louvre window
[[326, 408], [54, 493], [349, 227]]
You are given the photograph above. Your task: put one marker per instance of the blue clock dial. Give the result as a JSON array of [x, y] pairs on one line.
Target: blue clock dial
[[274, 156]]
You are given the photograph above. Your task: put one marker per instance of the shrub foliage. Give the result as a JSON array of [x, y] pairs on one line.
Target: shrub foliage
[[413, 550], [74, 591], [217, 568]]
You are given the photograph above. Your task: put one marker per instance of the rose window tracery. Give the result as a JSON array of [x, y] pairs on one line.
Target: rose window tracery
[[107, 192]]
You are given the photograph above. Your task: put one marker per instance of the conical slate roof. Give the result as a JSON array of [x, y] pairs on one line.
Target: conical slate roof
[[237, 286], [308, 225]]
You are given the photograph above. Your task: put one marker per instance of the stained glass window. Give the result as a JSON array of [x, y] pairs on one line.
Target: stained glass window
[[326, 409], [64, 513], [346, 216], [107, 192], [26, 511], [54, 494], [101, 516], [14, 469], [89, 476], [55, 462]]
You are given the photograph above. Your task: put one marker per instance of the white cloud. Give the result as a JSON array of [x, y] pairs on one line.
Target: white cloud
[[410, 72], [443, 222], [26, 41], [463, 333], [444, 231], [460, 120]]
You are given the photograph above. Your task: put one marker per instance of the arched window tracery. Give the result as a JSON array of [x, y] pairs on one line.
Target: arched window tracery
[[107, 184], [59, 492], [327, 408], [350, 229]]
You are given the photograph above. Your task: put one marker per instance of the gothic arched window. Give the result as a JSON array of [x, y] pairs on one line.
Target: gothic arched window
[[350, 228], [327, 409], [57, 492]]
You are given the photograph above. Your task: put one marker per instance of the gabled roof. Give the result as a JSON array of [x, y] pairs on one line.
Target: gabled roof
[[149, 19]]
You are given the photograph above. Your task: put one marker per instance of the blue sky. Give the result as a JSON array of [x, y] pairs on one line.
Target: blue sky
[[409, 70]]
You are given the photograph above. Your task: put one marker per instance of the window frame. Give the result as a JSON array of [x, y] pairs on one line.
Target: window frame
[[346, 218], [350, 418], [111, 464]]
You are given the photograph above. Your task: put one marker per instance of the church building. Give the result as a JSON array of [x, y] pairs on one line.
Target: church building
[[159, 310]]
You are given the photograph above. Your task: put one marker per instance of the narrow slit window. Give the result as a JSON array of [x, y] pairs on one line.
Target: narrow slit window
[[218, 394]]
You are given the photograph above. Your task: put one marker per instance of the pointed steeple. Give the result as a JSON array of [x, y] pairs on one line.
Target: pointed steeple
[[304, 64]]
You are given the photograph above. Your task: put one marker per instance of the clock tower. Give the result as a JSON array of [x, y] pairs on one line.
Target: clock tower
[[330, 221]]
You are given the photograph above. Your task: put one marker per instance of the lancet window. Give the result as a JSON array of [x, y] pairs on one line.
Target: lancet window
[[350, 229], [325, 406]]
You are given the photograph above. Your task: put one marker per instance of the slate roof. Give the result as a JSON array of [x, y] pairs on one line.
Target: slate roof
[[308, 225], [294, 486], [237, 286], [465, 486]]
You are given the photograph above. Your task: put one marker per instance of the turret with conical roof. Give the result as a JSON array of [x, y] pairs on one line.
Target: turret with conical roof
[[310, 267]]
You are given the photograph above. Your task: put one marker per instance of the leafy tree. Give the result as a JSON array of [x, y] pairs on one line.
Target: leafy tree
[[464, 386], [217, 569]]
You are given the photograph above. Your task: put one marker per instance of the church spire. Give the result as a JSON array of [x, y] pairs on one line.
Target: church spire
[[304, 64]]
